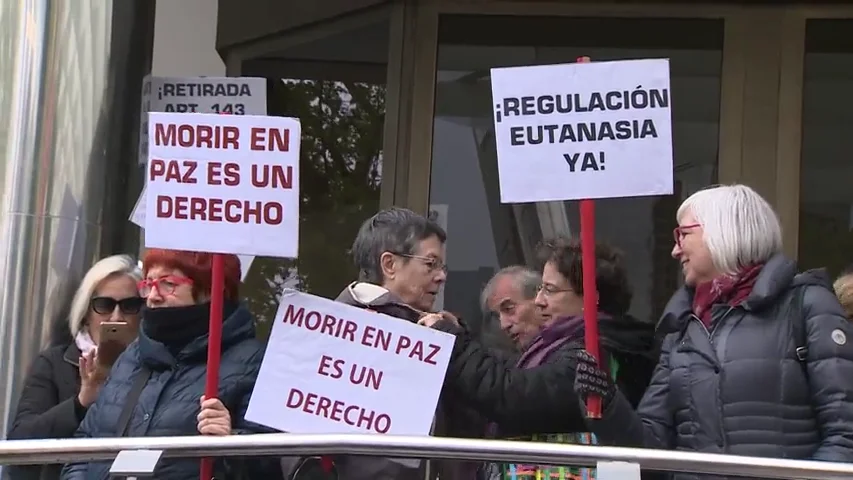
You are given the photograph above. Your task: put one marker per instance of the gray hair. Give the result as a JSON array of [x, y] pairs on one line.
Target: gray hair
[[739, 227], [525, 279], [100, 271], [395, 230]]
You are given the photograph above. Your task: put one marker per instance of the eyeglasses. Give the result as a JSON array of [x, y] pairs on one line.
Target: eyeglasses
[[432, 263], [107, 305], [680, 231], [549, 289], [164, 285]]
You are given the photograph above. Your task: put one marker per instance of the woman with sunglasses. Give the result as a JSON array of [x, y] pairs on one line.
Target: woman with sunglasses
[[156, 387], [65, 379]]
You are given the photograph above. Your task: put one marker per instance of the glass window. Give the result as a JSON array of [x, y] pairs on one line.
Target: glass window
[[342, 116], [485, 235], [826, 178]]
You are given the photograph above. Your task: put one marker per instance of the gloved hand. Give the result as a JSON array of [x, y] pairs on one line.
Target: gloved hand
[[589, 379]]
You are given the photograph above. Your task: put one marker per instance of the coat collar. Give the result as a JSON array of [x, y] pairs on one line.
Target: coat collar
[[72, 354]]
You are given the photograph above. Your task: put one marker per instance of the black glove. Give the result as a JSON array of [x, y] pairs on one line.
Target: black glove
[[589, 379]]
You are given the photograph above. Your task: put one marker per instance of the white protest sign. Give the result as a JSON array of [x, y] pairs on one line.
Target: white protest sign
[[231, 95], [583, 130], [334, 368], [138, 218], [223, 184]]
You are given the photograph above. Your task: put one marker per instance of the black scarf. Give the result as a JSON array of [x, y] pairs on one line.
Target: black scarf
[[176, 327]]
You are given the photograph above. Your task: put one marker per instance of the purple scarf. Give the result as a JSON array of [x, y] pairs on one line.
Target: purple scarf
[[551, 338]]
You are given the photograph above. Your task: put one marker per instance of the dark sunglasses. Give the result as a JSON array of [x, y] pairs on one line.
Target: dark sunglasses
[[127, 306]]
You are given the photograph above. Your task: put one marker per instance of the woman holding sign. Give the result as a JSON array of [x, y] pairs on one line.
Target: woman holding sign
[[758, 359], [534, 398], [156, 386]]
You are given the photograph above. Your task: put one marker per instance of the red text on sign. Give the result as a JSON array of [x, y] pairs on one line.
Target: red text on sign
[[173, 170], [324, 323], [275, 176], [219, 174], [376, 338], [338, 411], [417, 350], [269, 139], [219, 210], [328, 363], [358, 375], [197, 136]]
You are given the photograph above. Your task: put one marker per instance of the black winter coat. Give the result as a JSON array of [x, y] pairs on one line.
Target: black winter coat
[[542, 400], [169, 402], [46, 408], [451, 419], [740, 387]]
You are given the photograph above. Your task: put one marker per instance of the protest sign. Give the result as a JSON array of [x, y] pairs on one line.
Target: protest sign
[[223, 184], [583, 130], [236, 96], [138, 218], [333, 368]]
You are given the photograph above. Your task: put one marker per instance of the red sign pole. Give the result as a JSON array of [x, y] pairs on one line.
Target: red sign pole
[[590, 291], [214, 342], [214, 345]]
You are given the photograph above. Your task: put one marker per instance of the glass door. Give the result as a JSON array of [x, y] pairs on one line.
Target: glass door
[[485, 235]]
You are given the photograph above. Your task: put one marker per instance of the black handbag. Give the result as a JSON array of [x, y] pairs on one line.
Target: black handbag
[[314, 468]]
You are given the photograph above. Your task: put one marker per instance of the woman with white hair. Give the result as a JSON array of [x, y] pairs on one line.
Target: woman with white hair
[[64, 380], [758, 360]]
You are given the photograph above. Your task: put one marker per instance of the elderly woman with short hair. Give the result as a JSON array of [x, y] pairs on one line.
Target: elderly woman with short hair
[[157, 386], [758, 359]]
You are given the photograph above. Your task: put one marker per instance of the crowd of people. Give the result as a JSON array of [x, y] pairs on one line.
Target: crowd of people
[[750, 357]]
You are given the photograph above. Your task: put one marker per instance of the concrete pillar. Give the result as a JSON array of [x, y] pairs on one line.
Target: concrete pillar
[[70, 80], [185, 39]]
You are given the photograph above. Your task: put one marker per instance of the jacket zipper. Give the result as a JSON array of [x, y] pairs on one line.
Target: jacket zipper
[[711, 332], [711, 338]]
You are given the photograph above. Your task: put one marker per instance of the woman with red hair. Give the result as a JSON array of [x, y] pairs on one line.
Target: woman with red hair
[[156, 386]]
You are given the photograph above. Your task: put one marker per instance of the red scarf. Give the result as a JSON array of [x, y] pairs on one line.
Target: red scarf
[[728, 290]]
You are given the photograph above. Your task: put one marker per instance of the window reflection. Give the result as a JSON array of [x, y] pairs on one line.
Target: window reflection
[[826, 181], [340, 172], [483, 234]]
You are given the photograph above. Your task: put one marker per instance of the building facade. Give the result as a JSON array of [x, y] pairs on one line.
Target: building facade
[[395, 102], [759, 97]]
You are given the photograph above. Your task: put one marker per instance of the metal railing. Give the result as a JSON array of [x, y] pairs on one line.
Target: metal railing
[[283, 444]]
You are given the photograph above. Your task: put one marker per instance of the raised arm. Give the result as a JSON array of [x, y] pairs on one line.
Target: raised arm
[[651, 425]]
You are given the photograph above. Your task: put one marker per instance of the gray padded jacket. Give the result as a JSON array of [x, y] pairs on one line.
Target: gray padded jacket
[[739, 387]]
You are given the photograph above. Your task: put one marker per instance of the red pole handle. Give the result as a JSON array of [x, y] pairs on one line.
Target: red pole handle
[[214, 345]]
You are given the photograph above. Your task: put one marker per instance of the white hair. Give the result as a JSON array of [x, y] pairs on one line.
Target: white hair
[[103, 269], [739, 227], [527, 280]]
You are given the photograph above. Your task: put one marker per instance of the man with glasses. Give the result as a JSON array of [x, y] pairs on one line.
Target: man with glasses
[[400, 258], [534, 399]]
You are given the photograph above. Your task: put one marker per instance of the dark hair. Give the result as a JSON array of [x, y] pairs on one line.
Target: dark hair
[[611, 278], [395, 230], [198, 267]]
